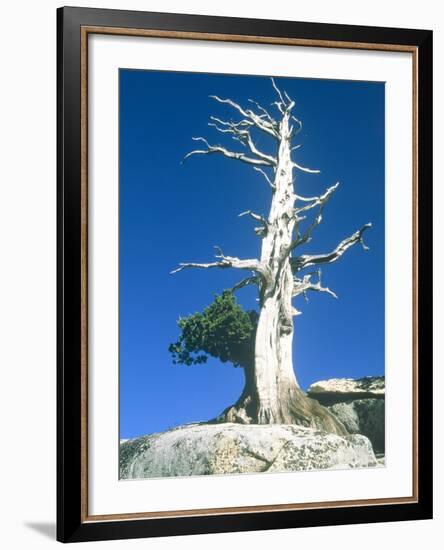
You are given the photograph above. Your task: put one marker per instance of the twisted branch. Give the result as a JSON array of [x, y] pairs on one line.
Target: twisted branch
[[254, 216], [270, 183], [263, 229], [320, 201], [242, 135], [270, 126], [306, 260], [253, 280], [226, 153], [301, 286], [225, 262]]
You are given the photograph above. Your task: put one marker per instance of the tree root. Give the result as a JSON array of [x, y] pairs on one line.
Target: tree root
[[298, 409]]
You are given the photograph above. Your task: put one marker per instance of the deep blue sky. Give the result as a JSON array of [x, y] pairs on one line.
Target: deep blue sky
[[171, 213]]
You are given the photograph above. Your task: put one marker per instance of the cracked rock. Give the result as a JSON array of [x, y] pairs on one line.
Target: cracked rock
[[205, 449]]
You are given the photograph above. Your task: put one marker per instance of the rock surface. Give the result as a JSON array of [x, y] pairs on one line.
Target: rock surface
[[358, 404], [335, 390], [203, 449]]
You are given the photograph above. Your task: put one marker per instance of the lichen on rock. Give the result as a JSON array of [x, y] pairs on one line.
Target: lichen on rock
[[358, 404], [213, 449]]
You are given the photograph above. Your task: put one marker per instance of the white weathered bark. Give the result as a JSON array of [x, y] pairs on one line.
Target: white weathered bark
[[271, 393], [274, 336]]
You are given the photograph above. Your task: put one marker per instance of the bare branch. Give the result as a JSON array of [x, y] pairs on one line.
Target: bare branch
[[272, 161], [301, 286], [279, 106], [226, 153], [243, 136], [225, 262], [219, 129], [271, 184], [303, 169], [306, 260], [253, 280], [264, 111], [278, 91], [237, 129], [242, 123], [266, 126], [203, 266], [287, 97], [263, 229], [299, 122], [256, 217], [316, 201], [306, 199]]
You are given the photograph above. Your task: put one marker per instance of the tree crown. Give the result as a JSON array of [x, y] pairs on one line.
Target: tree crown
[[223, 330]]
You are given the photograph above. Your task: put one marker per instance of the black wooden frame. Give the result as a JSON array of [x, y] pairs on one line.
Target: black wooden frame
[[70, 527]]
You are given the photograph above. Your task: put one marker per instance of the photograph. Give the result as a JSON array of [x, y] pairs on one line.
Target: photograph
[[251, 281]]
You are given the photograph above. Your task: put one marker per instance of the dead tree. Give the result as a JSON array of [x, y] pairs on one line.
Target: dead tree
[[272, 394]]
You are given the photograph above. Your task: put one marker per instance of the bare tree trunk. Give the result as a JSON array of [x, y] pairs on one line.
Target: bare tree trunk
[[290, 406], [273, 357], [271, 393], [279, 397]]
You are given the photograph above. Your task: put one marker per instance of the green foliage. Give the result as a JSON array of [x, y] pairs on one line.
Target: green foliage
[[223, 330]]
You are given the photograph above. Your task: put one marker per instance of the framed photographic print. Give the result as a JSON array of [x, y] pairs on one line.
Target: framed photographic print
[[244, 274]]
